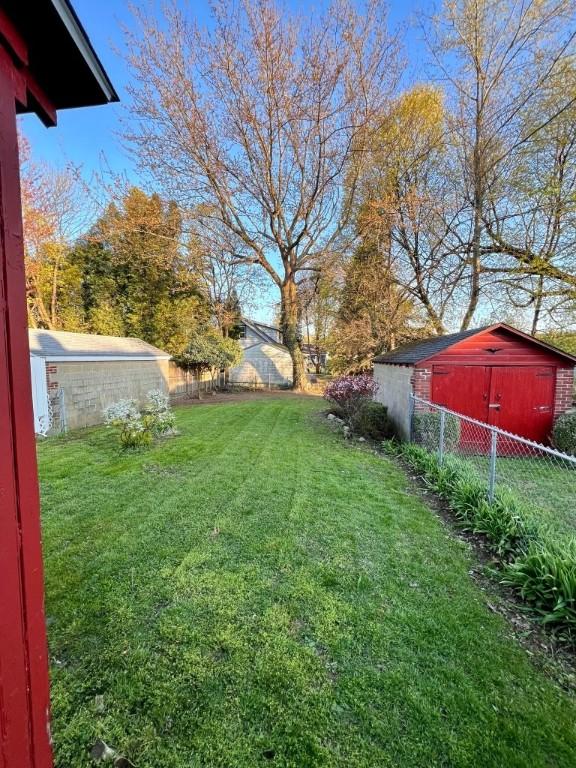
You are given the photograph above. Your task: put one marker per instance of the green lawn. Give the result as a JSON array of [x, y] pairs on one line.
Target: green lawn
[[546, 486], [257, 592]]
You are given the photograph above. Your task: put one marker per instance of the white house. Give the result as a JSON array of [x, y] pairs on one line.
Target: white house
[[266, 361]]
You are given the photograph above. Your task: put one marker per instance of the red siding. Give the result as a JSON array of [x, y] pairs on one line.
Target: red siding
[[24, 695], [502, 379], [507, 349]]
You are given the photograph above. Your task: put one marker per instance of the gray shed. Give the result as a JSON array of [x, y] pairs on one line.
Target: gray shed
[[76, 375]]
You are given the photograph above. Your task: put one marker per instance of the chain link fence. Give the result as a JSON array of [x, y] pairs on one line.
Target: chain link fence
[[57, 413], [543, 478]]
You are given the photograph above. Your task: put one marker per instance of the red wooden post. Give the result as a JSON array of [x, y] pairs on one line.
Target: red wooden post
[[27, 85], [24, 738]]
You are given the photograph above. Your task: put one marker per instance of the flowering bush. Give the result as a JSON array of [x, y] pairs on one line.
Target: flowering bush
[[133, 430], [138, 427], [350, 392], [159, 417]]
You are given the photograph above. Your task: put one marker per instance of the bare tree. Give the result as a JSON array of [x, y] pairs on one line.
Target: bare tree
[[55, 210], [255, 122], [532, 225], [496, 57]]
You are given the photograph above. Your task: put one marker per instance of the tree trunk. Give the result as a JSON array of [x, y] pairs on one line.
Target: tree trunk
[[290, 335], [537, 306], [478, 205]]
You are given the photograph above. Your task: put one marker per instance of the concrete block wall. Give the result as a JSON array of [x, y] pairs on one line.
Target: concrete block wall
[[89, 387], [394, 387]]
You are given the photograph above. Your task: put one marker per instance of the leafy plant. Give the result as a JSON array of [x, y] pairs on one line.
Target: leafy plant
[[134, 432], [137, 428], [159, 417], [350, 393], [564, 433], [371, 420], [545, 576], [426, 429], [542, 569], [209, 351]]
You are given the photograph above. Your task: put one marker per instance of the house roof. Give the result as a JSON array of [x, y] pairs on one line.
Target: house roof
[[261, 330], [417, 351], [60, 56], [66, 346]]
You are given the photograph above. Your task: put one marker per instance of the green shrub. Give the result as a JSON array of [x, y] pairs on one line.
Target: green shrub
[[564, 433], [137, 428], [135, 436], [371, 420], [541, 569], [158, 416], [545, 576], [426, 430]]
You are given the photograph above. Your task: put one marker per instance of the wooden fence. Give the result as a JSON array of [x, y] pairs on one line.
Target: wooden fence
[[188, 384]]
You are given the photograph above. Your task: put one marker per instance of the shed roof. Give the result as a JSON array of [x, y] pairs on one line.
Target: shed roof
[[417, 351], [64, 345], [60, 56]]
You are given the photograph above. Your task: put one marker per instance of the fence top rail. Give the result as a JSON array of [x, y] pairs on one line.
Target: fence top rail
[[509, 435]]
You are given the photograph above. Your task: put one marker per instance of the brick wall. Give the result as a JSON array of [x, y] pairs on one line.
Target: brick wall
[[422, 384], [564, 390], [88, 388]]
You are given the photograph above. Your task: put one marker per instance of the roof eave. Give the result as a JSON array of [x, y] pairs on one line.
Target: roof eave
[[495, 326], [82, 41]]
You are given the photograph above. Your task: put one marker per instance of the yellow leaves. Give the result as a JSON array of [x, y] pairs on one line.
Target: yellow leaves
[[415, 124]]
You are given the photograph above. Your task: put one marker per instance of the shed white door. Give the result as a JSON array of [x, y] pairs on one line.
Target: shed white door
[[40, 395]]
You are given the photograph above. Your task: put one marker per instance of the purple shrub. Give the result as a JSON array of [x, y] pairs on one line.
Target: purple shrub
[[349, 392]]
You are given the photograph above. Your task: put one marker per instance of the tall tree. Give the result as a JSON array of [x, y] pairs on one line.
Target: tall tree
[[532, 226], [496, 57], [136, 276], [55, 208], [407, 205], [255, 122], [318, 294], [375, 314]]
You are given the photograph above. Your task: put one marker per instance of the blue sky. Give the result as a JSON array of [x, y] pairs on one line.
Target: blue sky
[[88, 138]]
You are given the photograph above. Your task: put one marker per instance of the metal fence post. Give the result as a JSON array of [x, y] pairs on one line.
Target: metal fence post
[[493, 455], [441, 438]]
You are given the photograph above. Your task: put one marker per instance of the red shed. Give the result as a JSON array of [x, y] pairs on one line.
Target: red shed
[[46, 64], [496, 374]]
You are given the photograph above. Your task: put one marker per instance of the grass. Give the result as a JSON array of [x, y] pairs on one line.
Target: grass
[[546, 487], [257, 592]]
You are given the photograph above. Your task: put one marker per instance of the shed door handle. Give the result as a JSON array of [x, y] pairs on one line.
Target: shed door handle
[[495, 405]]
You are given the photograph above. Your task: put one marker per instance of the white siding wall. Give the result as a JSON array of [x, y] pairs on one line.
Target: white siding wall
[[394, 387], [262, 364]]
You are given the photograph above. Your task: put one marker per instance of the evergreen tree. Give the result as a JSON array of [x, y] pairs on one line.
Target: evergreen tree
[[136, 280]]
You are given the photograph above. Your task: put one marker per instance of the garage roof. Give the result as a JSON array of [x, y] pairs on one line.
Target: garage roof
[[420, 350], [59, 54], [76, 347], [415, 352]]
